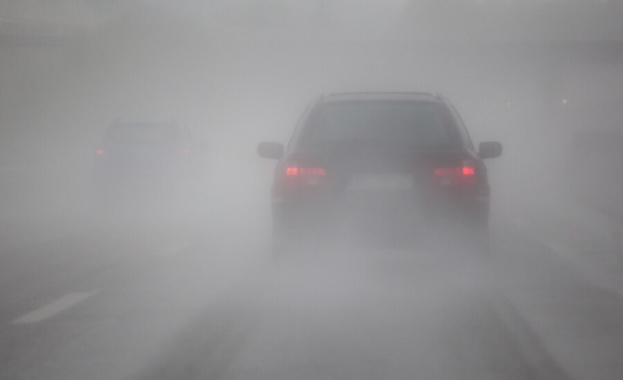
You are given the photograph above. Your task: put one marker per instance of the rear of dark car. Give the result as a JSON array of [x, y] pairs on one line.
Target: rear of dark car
[[366, 165]]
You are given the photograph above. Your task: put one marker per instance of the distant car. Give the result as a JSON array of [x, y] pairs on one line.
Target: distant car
[[393, 162], [143, 156]]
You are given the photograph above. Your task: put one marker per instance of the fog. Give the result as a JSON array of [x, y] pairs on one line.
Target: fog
[[542, 77], [237, 87]]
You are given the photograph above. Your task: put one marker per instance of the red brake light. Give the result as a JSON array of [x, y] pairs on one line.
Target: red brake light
[[100, 152], [458, 175], [297, 176], [468, 171], [298, 171]]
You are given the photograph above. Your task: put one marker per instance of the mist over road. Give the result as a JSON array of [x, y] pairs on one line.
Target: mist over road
[[184, 286], [152, 302]]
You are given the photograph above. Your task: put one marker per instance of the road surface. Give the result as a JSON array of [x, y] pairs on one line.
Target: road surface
[[144, 300]]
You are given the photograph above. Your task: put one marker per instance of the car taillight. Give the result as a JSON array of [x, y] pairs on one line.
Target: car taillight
[[464, 174], [298, 175], [303, 172], [100, 152]]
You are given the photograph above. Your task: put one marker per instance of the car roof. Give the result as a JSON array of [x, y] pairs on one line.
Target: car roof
[[383, 96]]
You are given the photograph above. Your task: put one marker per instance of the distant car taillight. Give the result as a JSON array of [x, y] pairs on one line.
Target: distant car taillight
[[100, 152], [456, 175], [186, 151]]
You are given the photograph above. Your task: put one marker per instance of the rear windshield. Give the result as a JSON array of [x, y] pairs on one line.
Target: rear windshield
[[405, 123], [144, 133]]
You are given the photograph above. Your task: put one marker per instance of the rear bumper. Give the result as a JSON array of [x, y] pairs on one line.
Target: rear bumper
[[372, 212]]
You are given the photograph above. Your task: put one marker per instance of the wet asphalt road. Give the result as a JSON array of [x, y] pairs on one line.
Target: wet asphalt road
[[209, 303]]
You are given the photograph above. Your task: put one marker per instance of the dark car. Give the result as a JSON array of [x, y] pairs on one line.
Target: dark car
[[397, 165], [143, 157]]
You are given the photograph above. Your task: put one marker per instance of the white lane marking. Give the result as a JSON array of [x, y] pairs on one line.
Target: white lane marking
[[52, 308], [171, 250]]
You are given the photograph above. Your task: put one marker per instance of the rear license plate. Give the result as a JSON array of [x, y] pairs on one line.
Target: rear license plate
[[388, 181]]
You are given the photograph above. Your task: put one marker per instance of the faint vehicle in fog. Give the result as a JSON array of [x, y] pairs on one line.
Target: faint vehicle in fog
[[143, 158], [399, 165]]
